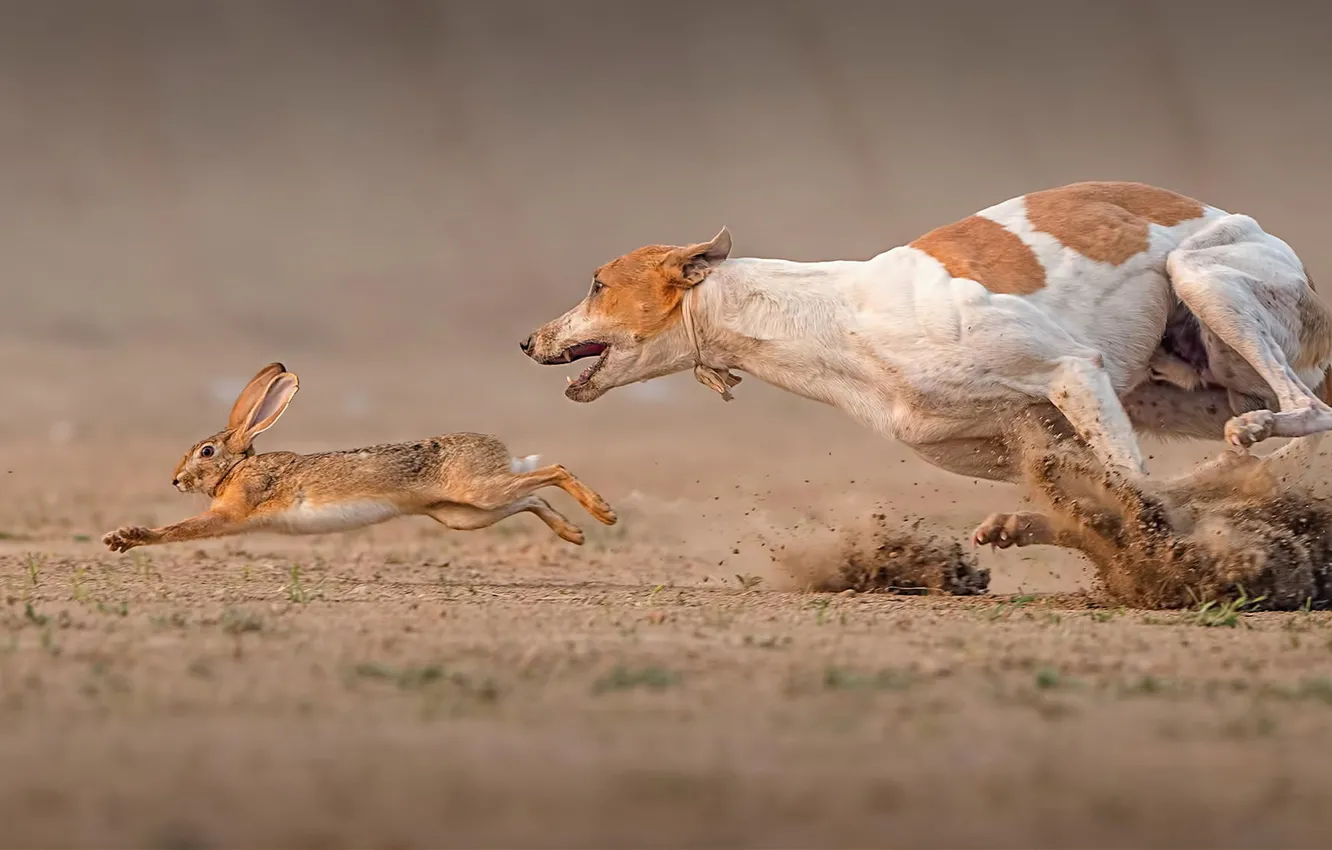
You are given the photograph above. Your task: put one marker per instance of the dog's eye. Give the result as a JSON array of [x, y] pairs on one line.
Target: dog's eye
[[597, 286], [206, 451]]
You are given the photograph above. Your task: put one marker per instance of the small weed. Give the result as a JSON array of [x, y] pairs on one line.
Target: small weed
[[174, 620], [837, 679], [1213, 614], [296, 591], [1105, 615], [143, 565], [1003, 609], [49, 644], [1047, 679], [623, 679], [408, 678], [83, 538], [236, 621], [76, 584], [33, 563], [120, 610], [748, 582], [1318, 690], [769, 642], [31, 615], [1147, 685], [419, 678], [102, 679]]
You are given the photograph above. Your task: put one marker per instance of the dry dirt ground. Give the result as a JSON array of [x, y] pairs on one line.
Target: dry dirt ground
[[664, 685]]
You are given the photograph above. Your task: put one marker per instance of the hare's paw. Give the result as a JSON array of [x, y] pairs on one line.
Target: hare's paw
[[601, 510], [572, 533], [124, 539]]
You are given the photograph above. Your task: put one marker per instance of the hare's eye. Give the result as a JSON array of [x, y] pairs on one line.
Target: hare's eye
[[206, 451]]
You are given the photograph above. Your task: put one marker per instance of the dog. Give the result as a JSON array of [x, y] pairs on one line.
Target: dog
[[1126, 307]]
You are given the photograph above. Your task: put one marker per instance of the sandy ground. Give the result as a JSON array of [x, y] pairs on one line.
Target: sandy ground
[[388, 196], [663, 685]]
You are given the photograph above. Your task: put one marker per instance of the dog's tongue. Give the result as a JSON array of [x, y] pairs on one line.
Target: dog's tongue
[[587, 349]]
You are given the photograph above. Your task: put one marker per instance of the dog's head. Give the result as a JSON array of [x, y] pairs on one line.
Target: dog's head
[[629, 319]]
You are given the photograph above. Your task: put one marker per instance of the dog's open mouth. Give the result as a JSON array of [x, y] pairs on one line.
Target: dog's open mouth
[[580, 351]]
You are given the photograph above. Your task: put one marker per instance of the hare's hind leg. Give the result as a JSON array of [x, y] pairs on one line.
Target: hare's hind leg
[[516, 486], [564, 479], [462, 517]]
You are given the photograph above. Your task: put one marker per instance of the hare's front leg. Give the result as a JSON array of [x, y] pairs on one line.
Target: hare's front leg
[[200, 527]]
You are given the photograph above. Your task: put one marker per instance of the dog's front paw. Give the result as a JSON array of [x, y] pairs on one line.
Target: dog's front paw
[[124, 539], [1249, 428], [1004, 530]]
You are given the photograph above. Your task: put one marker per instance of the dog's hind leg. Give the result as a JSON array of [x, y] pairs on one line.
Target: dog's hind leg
[[1265, 330]]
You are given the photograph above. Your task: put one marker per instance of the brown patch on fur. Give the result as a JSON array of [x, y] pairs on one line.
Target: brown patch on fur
[[1315, 332], [641, 291], [985, 251], [1107, 221], [1234, 527]]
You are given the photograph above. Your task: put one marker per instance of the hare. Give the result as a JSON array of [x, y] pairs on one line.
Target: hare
[[464, 481]]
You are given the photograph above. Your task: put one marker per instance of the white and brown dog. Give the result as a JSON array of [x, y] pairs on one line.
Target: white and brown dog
[[1127, 307]]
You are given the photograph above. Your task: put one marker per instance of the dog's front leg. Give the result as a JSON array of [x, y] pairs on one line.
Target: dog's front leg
[[1081, 389]]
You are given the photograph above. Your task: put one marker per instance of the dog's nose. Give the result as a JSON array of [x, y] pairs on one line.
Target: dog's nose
[[526, 345]]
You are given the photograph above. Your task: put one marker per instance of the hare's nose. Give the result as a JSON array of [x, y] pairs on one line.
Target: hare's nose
[[526, 345], [175, 482]]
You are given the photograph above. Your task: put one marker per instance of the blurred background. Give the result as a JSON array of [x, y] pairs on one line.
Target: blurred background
[[388, 195]]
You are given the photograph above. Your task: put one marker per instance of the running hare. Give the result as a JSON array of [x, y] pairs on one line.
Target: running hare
[[465, 481]]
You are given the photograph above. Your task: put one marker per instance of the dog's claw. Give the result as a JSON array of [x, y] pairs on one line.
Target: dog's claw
[[1249, 428], [1003, 531]]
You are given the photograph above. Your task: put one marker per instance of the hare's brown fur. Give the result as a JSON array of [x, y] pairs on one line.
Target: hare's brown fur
[[463, 480]]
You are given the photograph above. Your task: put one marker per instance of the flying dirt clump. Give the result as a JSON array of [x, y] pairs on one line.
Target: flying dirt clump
[[875, 556], [1239, 527]]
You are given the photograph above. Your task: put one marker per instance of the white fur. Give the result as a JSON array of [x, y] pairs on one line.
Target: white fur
[[521, 465], [306, 518], [941, 363]]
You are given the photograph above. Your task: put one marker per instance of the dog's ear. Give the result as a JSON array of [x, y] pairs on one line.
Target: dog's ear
[[689, 266]]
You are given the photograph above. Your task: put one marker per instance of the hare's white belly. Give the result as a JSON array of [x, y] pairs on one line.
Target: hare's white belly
[[311, 518]]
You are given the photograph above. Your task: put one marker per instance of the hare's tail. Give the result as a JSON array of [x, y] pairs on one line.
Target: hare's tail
[[520, 465]]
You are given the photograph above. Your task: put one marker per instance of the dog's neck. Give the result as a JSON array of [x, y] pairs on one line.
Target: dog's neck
[[783, 322]]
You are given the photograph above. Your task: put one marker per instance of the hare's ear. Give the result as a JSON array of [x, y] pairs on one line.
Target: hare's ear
[[270, 407], [250, 396]]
